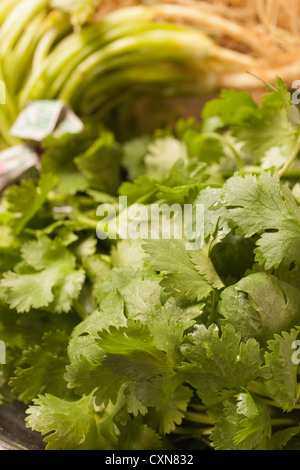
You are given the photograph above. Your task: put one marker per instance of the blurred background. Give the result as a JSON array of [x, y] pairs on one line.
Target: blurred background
[[137, 65]]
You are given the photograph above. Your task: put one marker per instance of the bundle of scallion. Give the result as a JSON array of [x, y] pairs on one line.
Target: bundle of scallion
[[93, 64]]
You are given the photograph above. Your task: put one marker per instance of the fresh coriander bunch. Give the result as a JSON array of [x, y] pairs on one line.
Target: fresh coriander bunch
[[144, 344]]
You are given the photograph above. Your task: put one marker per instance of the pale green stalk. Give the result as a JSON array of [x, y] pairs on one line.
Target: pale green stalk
[[6, 7], [13, 27], [17, 68], [192, 45], [130, 79], [60, 28], [57, 66], [291, 160]]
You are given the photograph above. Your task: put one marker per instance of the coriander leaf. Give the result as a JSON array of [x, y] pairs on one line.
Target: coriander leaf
[[183, 182], [142, 298], [243, 425], [218, 366], [205, 267], [172, 411], [282, 386], [26, 291], [127, 360], [84, 335], [88, 375], [162, 154], [97, 269], [27, 198], [133, 154], [136, 436], [69, 425], [206, 147], [128, 253], [45, 252], [166, 320], [261, 206], [269, 123], [47, 278], [215, 223], [141, 187], [42, 369], [58, 158], [126, 341], [259, 306], [118, 279], [182, 278], [100, 164], [232, 107], [280, 438]]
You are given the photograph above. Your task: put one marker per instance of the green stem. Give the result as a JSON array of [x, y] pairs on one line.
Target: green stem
[[80, 310], [226, 142], [291, 159], [184, 431], [275, 405], [146, 198], [284, 422], [90, 223], [198, 407], [180, 430], [257, 170], [198, 418]]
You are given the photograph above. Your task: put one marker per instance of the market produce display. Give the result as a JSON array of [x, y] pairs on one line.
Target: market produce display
[[95, 66], [143, 344], [71, 50], [121, 339]]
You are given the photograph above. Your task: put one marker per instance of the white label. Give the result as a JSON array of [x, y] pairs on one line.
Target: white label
[[69, 124], [38, 120], [14, 161]]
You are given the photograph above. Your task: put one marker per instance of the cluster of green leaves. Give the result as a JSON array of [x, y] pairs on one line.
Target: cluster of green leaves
[[143, 344]]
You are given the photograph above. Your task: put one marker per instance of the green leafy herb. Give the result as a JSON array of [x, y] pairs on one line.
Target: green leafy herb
[[137, 343]]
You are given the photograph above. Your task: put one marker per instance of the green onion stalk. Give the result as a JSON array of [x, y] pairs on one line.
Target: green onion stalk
[[94, 66]]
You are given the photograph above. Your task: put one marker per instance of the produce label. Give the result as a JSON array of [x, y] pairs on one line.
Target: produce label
[[69, 123], [38, 120], [14, 161], [42, 118]]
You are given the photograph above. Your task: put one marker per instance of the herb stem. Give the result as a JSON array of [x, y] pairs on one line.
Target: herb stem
[[284, 422], [198, 407], [80, 310], [180, 430], [183, 431], [275, 405], [147, 197], [223, 140], [89, 222], [291, 159], [198, 418], [256, 170]]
